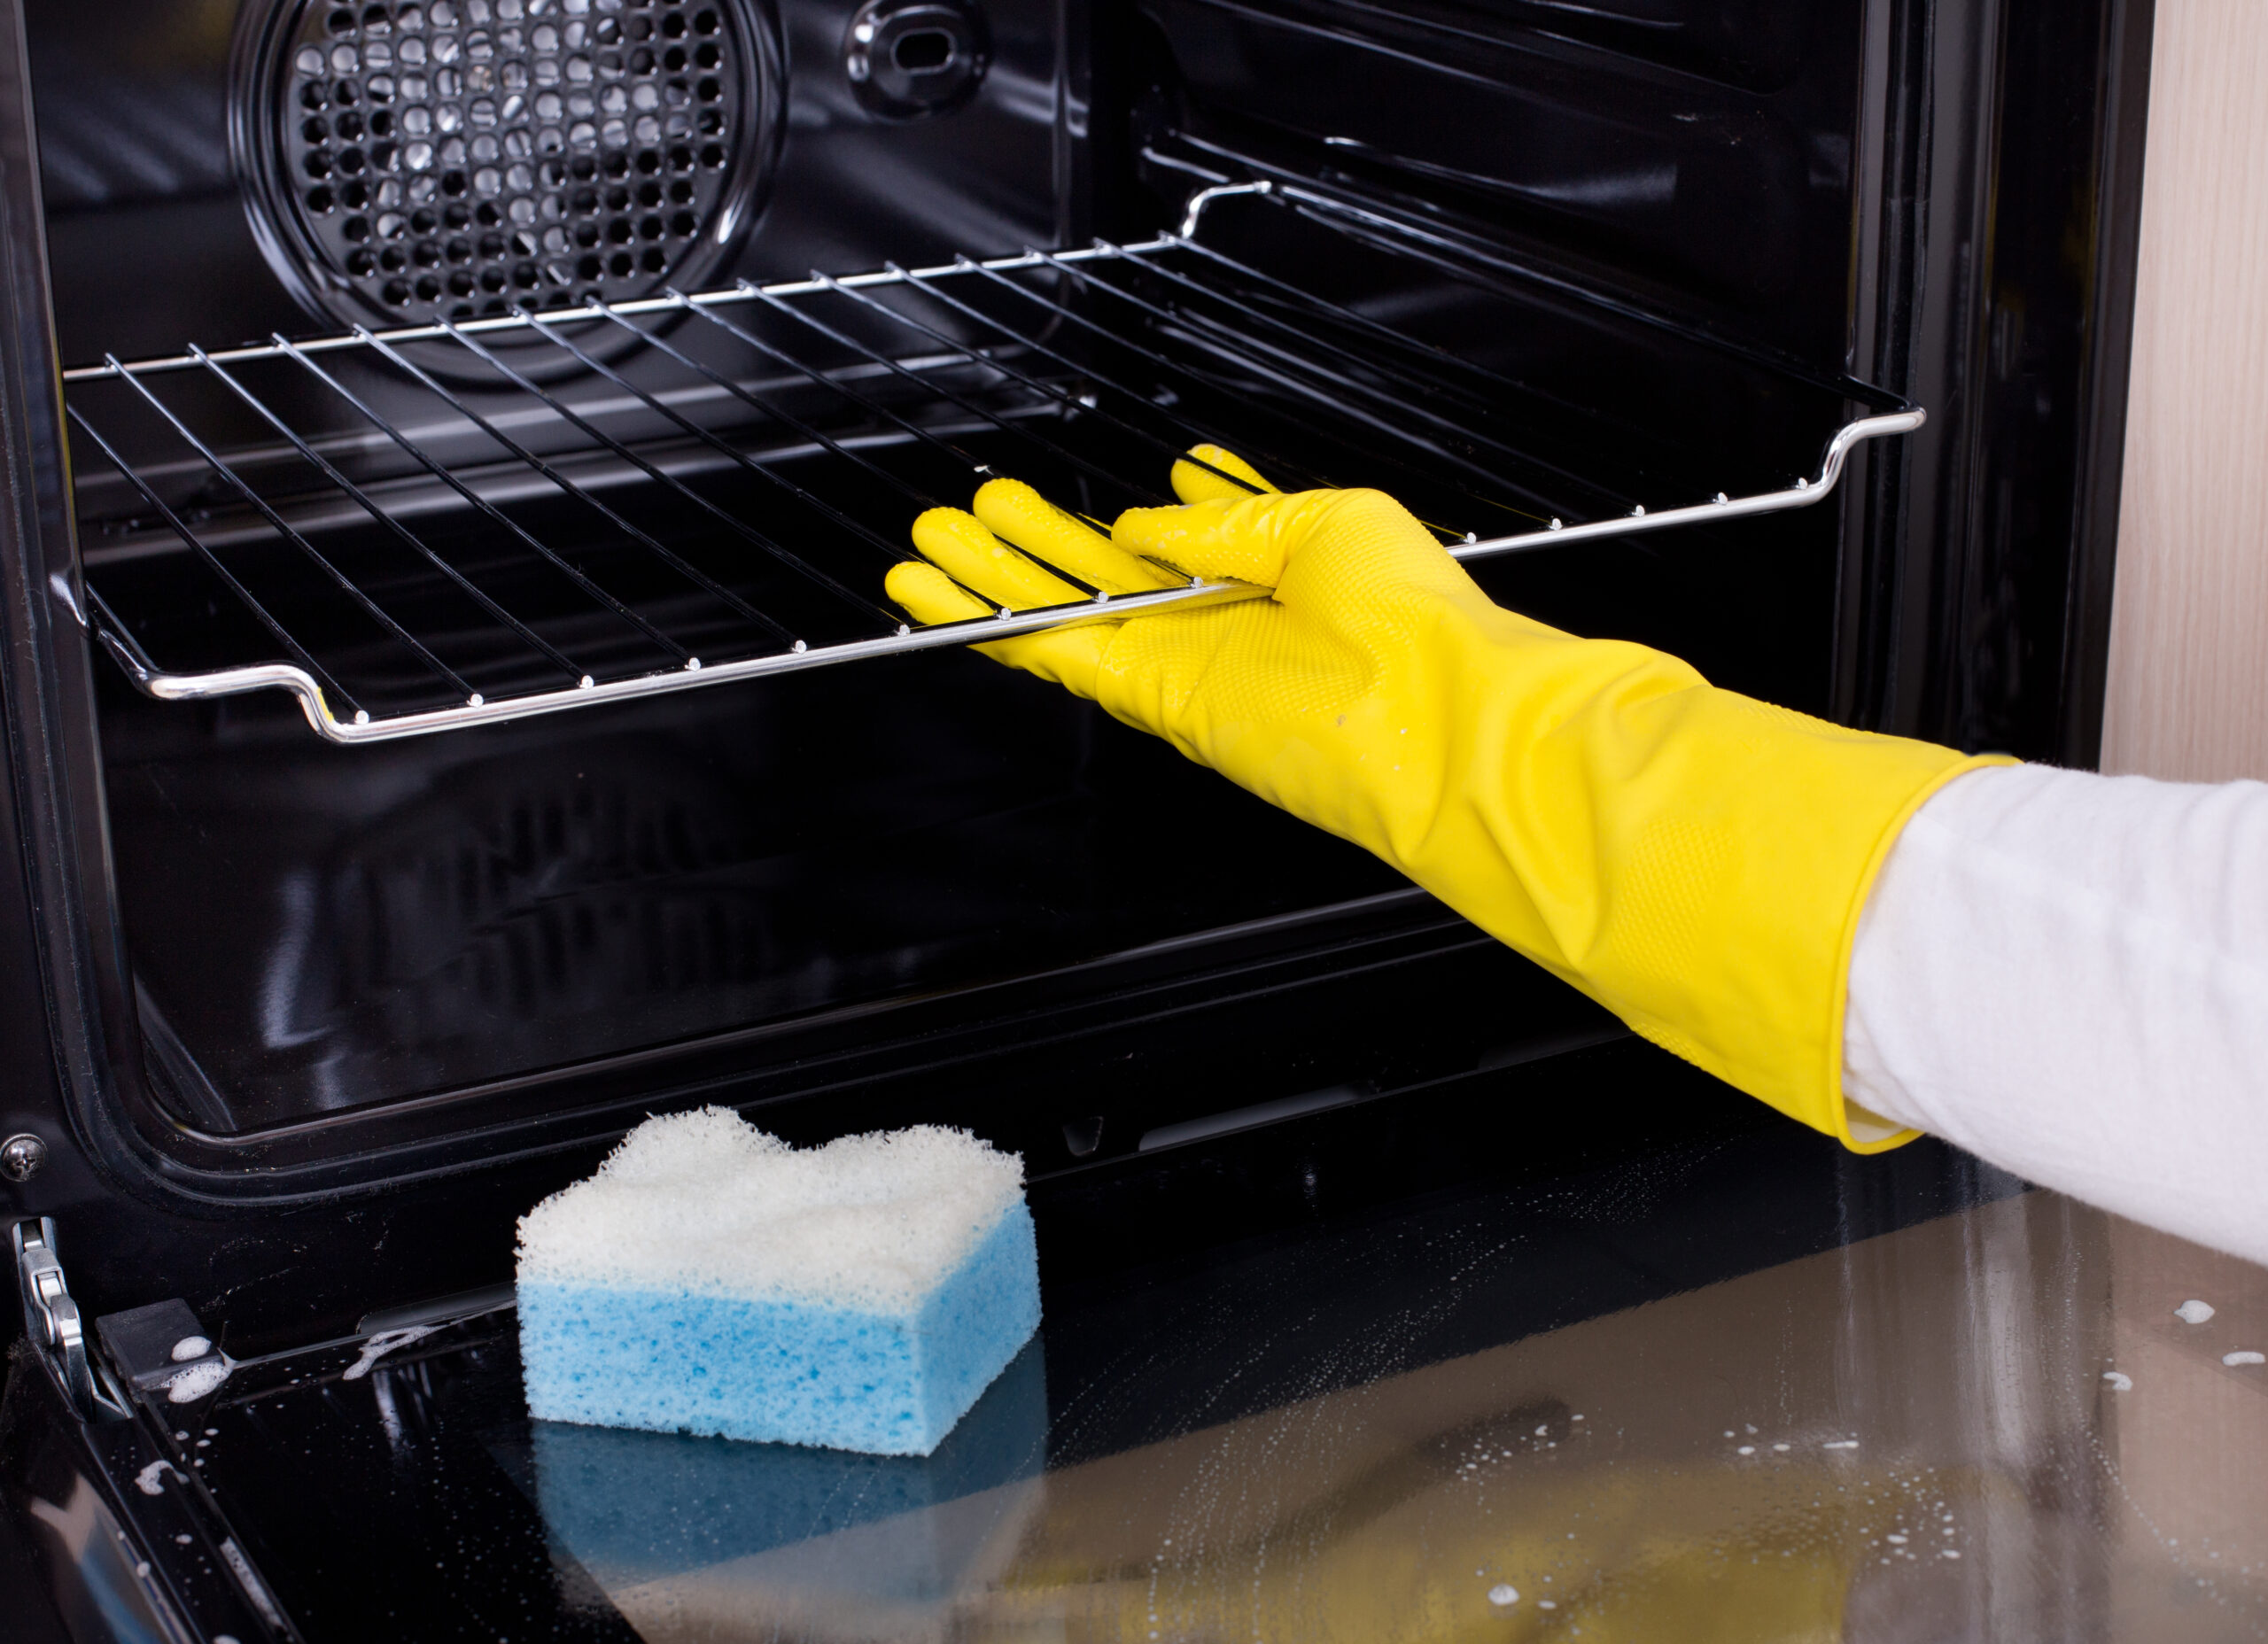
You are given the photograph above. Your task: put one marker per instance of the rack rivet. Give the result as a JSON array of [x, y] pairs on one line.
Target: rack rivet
[[903, 631], [983, 468], [1556, 525], [1802, 483], [1002, 615], [362, 716], [1471, 536], [1721, 499], [693, 664], [1639, 512], [474, 700], [586, 683], [799, 647], [1102, 596]]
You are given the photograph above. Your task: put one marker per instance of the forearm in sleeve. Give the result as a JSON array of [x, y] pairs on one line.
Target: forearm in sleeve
[[2067, 976]]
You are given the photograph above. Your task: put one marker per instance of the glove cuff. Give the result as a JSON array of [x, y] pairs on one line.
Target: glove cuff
[[1695, 860], [1837, 1106]]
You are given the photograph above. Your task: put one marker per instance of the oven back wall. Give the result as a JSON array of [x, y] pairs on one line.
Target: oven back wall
[[151, 246], [1692, 157]]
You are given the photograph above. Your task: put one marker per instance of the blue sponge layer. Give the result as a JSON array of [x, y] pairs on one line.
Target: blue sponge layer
[[786, 1372]]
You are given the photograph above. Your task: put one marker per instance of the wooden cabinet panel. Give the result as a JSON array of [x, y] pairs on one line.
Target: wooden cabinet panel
[[2188, 679]]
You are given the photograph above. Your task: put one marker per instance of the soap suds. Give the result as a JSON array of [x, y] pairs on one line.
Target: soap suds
[[2194, 1312], [2120, 1382], [2244, 1357], [1504, 1594], [188, 1386], [190, 1347], [152, 1480], [705, 1202], [382, 1344]]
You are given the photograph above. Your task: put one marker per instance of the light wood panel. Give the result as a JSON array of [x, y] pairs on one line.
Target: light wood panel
[[2188, 679]]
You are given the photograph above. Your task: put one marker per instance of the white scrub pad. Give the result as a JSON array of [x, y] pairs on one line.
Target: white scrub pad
[[712, 1279]]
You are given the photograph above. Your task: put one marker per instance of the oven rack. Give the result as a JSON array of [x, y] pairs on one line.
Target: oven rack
[[1024, 357]]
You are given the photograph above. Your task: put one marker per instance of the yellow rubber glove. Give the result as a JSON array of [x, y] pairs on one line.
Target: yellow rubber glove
[[1693, 859]]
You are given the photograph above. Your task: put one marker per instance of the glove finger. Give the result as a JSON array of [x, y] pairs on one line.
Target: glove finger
[[958, 544], [1249, 540], [1069, 656], [1303, 544], [1011, 510], [931, 596], [1201, 475]]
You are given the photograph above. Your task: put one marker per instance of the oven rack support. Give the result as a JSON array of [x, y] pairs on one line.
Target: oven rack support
[[336, 716]]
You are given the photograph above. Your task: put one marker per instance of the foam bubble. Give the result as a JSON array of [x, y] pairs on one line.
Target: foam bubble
[[187, 1386], [382, 1344], [705, 1202]]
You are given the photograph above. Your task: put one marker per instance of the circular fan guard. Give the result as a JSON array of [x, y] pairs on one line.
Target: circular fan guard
[[414, 160]]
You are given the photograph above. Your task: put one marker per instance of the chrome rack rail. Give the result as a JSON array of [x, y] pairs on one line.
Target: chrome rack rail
[[1333, 405]]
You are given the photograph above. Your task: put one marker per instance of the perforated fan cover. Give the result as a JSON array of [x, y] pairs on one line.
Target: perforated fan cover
[[412, 159]]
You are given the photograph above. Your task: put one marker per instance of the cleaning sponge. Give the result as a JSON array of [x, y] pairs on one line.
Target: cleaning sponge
[[712, 1279]]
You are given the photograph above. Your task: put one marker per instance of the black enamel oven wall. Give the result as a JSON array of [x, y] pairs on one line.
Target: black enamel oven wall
[[146, 204], [266, 971]]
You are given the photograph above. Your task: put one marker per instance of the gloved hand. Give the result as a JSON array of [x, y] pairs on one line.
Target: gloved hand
[[1693, 859]]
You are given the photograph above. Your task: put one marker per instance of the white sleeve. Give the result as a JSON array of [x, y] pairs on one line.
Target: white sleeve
[[2067, 976]]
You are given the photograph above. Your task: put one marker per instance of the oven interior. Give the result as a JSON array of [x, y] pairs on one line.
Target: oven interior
[[812, 268], [367, 981]]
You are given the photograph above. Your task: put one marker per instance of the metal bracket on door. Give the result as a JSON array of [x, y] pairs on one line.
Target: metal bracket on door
[[52, 1318]]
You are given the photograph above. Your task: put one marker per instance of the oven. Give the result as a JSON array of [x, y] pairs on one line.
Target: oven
[[454, 449]]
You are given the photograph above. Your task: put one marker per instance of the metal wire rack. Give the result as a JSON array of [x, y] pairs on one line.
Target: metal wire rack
[[463, 523]]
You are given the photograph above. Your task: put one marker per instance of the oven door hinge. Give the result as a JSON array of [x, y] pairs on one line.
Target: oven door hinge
[[51, 1319]]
